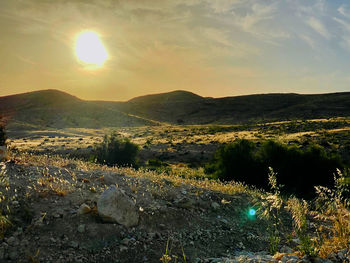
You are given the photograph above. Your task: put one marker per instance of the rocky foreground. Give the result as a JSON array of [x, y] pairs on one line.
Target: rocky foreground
[[69, 213]]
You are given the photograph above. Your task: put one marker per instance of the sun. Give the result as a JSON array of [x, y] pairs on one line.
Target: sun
[[89, 49]]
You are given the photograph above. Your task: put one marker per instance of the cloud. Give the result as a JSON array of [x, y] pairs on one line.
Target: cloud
[[308, 40], [344, 11], [222, 6], [343, 23], [317, 25]]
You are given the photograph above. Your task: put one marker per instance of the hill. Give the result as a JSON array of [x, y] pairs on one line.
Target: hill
[[56, 109], [188, 108]]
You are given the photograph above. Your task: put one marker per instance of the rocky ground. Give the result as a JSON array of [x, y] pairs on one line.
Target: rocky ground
[[69, 213]]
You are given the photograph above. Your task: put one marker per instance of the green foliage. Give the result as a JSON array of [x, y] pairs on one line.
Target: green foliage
[[3, 136], [116, 150], [236, 161], [157, 165], [299, 169]]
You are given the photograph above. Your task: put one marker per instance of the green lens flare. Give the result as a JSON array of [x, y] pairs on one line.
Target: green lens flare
[[252, 212]]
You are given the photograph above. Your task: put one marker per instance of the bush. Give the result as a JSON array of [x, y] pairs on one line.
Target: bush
[[115, 150], [237, 161], [299, 170], [2, 136]]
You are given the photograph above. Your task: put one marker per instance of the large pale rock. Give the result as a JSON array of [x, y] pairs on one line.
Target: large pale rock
[[115, 206]]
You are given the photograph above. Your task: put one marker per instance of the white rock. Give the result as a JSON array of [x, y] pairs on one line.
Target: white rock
[[115, 206]]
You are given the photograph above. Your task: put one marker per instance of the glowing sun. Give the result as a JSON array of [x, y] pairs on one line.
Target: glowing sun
[[90, 50]]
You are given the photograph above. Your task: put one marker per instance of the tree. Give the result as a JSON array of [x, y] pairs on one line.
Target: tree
[[116, 150]]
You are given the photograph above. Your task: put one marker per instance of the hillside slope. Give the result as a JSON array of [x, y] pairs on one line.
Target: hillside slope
[[56, 109], [240, 109]]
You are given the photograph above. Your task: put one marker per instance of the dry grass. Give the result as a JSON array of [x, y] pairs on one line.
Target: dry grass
[[50, 184], [178, 175], [337, 236]]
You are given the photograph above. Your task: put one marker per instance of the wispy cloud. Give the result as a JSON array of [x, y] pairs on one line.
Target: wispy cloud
[[345, 24], [344, 10], [318, 26], [308, 40]]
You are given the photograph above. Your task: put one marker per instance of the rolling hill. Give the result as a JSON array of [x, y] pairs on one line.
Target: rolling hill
[[56, 109], [188, 108]]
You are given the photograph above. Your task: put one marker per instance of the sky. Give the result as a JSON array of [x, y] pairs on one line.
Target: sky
[[214, 48]]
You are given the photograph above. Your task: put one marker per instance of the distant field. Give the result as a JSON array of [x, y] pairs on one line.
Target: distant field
[[189, 144]]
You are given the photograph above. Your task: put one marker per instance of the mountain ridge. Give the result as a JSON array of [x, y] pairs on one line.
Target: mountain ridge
[[58, 109]]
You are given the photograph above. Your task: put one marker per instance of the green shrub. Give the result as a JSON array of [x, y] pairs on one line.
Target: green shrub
[[116, 150], [236, 161], [298, 169], [157, 165], [2, 136]]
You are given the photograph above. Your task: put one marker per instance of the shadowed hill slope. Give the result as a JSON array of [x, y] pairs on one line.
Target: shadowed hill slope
[[240, 109], [56, 109]]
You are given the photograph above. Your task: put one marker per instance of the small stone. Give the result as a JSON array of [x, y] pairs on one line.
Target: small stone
[[321, 260], [151, 235], [296, 241], [240, 245], [74, 244], [2, 253], [223, 220], [286, 249], [123, 248], [13, 255], [11, 241], [84, 209], [81, 228], [332, 256], [111, 178], [342, 253], [290, 258], [215, 205], [126, 241]]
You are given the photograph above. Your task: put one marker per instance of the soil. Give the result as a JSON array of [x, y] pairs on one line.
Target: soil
[[46, 226]]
